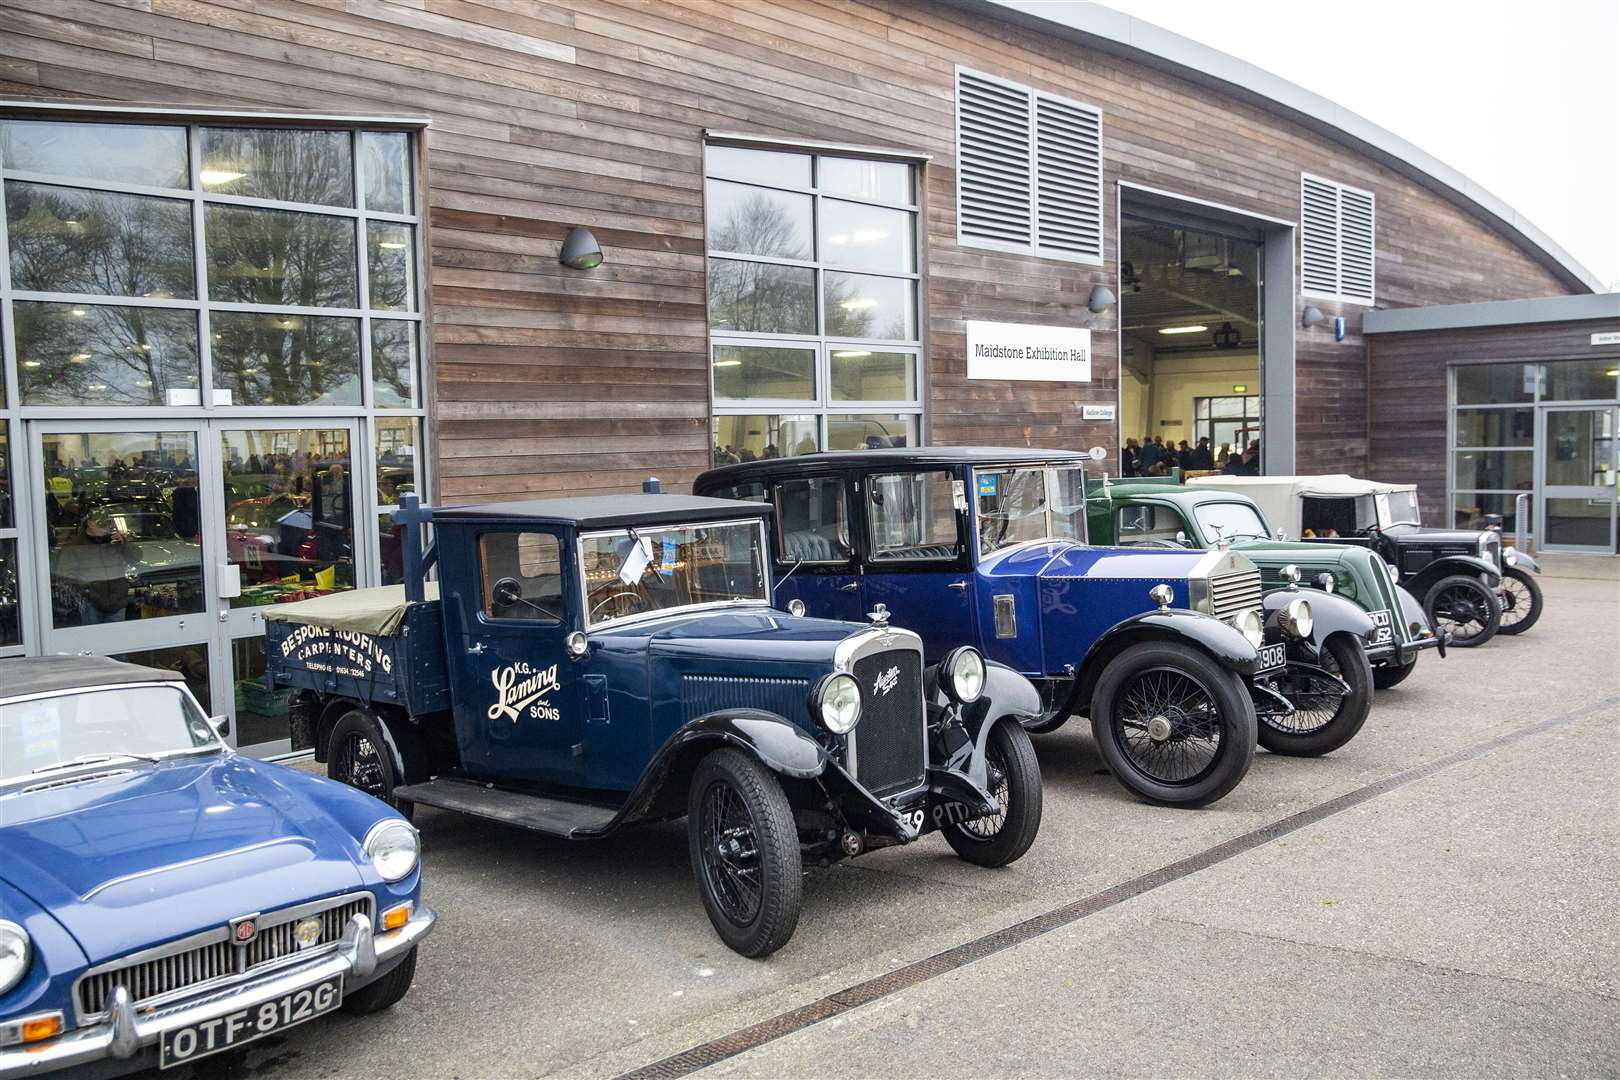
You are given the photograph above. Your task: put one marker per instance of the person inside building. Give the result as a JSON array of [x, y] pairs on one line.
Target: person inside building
[[1147, 457], [104, 583], [1184, 455], [1128, 463], [1203, 458]]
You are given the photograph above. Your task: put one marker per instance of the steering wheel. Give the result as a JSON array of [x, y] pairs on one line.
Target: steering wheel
[[508, 592], [641, 602]]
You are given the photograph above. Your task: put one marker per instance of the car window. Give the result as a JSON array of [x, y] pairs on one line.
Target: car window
[[912, 516], [1328, 517], [1401, 507], [656, 569], [522, 575], [812, 520], [1230, 521], [40, 733], [1148, 525], [1036, 502]]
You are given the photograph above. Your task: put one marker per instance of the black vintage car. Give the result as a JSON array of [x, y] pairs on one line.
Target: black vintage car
[[1469, 582]]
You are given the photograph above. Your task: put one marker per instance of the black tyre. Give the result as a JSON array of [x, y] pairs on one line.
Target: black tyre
[[1466, 607], [376, 996], [357, 755], [1015, 781], [1393, 674], [1175, 727], [745, 853], [1521, 601], [1324, 717]]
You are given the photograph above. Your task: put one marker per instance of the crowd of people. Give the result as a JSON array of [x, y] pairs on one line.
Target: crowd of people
[[1152, 456]]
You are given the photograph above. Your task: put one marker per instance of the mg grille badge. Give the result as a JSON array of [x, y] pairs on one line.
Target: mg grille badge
[[245, 929], [307, 932]]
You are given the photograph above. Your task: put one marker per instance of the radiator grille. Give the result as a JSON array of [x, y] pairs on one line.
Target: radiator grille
[[1232, 592], [890, 742], [1493, 550], [163, 975], [702, 694]]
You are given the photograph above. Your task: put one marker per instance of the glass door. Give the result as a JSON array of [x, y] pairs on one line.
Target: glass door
[[1578, 465]]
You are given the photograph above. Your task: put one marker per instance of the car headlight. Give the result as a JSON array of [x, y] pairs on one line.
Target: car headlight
[[1324, 581], [1295, 618], [963, 675], [1394, 571], [15, 953], [837, 703], [1509, 556], [1290, 574], [1251, 625], [393, 849]]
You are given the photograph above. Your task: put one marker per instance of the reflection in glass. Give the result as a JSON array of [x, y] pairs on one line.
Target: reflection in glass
[[5, 478], [393, 364], [1579, 450], [1499, 469], [10, 599], [870, 375], [751, 438], [1496, 384], [1580, 380], [123, 525], [748, 371], [261, 715], [761, 166], [288, 165], [396, 458], [861, 306], [383, 157], [280, 257], [288, 513], [286, 359], [1470, 508], [390, 266], [871, 431], [761, 298], [863, 237], [1495, 427], [880, 181], [758, 221], [76, 241], [1579, 523], [191, 661], [126, 153], [98, 354]]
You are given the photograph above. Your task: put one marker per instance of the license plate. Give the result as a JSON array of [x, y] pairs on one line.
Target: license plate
[[1383, 632], [184, 1045], [1272, 656]]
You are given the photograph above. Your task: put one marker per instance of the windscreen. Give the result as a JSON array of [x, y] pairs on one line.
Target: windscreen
[[1035, 502], [38, 735], [1229, 521], [1403, 509], [636, 571]]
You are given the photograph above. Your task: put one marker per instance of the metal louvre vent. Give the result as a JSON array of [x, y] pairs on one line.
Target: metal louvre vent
[[703, 694], [1337, 225], [1233, 592], [890, 743], [1069, 178], [993, 160]]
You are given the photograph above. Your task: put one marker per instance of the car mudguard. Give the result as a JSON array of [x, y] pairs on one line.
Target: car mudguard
[[1007, 696], [1447, 565], [1330, 614], [1224, 643], [1521, 561]]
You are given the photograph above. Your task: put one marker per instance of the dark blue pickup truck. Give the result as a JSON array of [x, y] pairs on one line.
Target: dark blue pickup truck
[[600, 661]]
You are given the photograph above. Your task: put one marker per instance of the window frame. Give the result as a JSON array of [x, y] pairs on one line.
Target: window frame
[[868, 522], [563, 569], [852, 528]]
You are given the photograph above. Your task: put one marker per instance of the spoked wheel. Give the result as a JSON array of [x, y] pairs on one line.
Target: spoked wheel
[[1466, 607], [1015, 784], [356, 755], [1521, 602], [1325, 716], [745, 853], [1175, 727]]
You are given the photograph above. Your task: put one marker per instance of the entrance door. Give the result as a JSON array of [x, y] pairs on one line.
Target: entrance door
[[1578, 465]]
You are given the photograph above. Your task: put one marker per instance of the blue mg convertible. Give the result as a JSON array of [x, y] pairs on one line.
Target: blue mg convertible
[[163, 899]]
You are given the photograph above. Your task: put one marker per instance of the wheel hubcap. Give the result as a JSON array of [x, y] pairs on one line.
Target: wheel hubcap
[[1158, 728]]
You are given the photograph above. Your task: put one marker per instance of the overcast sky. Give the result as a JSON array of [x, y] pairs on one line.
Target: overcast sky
[[1524, 99]]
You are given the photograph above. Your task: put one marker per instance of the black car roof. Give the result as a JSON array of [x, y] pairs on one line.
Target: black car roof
[[609, 511], [46, 674], [891, 456]]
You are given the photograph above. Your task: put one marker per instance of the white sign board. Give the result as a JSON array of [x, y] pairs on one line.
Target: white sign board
[[1096, 412], [1606, 339], [1028, 352]]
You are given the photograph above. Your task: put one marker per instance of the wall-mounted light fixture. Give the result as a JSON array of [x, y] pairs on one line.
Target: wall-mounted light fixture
[[1240, 388], [1311, 315], [1227, 337], [581, 251], [1101, 299]]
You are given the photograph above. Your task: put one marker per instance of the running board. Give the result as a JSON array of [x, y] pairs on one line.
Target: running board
[[555, 817]]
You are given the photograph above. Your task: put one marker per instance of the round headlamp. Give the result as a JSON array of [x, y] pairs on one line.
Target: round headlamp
[[795, 608], [1394, 571], [15, 953], [1324, 581], [393, 848], [836, 702], [1162, 594], [1509, 556], [1251, 625], [1290, 574], [1295, 618], [962, 675]]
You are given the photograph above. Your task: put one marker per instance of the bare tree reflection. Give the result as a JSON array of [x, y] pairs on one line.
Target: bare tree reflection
[[75, 241], [76, 354]]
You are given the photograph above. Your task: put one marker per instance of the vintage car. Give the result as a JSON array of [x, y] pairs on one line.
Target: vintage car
[[1469, 583], [607, 660], [1163, 650], [163, 899], [1162, 512]]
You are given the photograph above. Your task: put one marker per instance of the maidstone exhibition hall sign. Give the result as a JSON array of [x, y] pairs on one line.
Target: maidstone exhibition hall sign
[[997, 350]]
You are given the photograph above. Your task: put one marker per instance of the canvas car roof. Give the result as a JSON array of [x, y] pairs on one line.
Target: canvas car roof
[[1326, 484], [609, 511], [28, 675]]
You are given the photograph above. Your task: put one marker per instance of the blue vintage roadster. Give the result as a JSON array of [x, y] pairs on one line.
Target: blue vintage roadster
[[163, 899]]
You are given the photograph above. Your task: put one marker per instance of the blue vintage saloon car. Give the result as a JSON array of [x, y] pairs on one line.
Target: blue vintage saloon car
[[1164, 650], [163, 898], [603, 661]]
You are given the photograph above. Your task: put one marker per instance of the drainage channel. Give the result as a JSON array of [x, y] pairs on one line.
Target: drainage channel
[[863, 993]]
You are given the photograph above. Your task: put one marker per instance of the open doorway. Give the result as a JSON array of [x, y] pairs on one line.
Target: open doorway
[[1191, 385]]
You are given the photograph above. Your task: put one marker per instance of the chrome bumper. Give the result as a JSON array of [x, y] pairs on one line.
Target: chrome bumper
[[126, 1031]]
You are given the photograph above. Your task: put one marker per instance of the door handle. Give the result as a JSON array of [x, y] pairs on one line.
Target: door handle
[[959, 585], [475, 649], [851, 587]]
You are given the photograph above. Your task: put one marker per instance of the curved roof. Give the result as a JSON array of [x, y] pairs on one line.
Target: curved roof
[[1102, 28]]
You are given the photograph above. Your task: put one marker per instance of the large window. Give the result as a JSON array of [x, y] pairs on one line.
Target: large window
[[1229, 423], [815, 340]]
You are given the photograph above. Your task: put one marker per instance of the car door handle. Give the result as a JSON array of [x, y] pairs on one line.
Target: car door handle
[[475, 649], [851, 587], [959, 585]]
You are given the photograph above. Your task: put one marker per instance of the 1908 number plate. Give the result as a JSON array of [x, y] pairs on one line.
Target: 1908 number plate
[[1383, 632], [1272, 656], [186, 1044]]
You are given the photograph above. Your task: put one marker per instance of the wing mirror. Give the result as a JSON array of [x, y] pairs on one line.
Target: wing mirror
[[1181, 538], [507, 592], [221, 726], [1282, 534]]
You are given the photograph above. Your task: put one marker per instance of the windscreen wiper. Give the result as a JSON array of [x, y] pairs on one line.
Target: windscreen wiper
[[91, 759]]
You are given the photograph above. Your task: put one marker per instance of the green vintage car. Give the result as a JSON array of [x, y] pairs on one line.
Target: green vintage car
[[1161, 512]]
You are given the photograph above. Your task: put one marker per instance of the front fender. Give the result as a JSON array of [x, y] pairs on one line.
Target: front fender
[[1521, 561], [1446, 566], [1007, 694], [1225, 643], [58, 959], [1330, 614]]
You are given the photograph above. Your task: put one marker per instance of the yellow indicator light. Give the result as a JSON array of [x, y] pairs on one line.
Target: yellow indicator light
[[41, 1027], [394, 918]]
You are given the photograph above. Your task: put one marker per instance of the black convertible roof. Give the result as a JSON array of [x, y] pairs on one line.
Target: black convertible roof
[[47, 674], [609, 511], [900, 456]]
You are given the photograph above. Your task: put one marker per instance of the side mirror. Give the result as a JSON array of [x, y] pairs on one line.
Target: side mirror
[[1282, 534], [507, 592], [1181, 538], [221, 726]]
